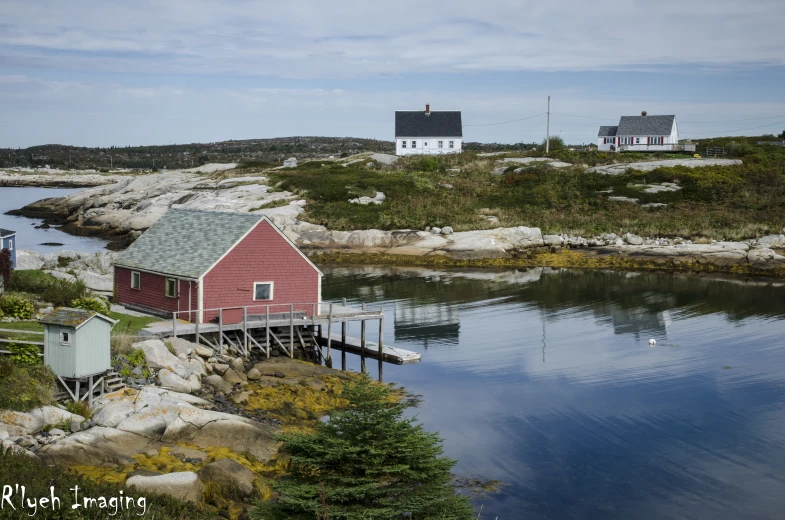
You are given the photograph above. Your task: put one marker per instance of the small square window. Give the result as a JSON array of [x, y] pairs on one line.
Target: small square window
[[440, 144], [425, 143], [637, 140], [171, 288], [262, 291], [11, 245], [403, 144], [136, 280], [65, 337], [414, 143], [451, 144]]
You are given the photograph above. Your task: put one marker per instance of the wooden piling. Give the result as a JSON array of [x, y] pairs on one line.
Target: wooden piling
[[291, 330], [362, 343], [329, 332], [343, 346], [381, 346], [221, 331], [245, 328], [267, 330]]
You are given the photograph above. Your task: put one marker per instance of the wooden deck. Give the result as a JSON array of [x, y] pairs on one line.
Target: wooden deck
[[257, 324]]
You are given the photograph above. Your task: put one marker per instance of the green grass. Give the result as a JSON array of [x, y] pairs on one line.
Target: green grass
[[22, 326], [721, 202], [128, 324]]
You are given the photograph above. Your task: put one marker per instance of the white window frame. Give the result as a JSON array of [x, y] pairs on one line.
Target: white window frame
[[11, 244], [272, 289], [138, 280], [451, 144], [440, 144], [65, 337], [174, 286], [414, 143], [403, 143], [637, 140]]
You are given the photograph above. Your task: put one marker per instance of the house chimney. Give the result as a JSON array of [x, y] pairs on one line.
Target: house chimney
[[643, 114], [427, 109]]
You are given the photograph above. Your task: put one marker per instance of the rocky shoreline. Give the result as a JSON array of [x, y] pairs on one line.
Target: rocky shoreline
[[124, 209]]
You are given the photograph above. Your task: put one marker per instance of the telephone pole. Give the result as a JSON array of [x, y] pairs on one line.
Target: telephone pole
[[548, 128]]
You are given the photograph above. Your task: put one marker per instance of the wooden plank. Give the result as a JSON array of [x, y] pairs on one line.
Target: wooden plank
[[391, 354], [39, 343], [20, 331]]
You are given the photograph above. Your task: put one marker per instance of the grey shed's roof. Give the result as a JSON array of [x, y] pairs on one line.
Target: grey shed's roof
[[607, 131], [415, 123], [187, 242], [67, 317], [645, 125], [6, 232]]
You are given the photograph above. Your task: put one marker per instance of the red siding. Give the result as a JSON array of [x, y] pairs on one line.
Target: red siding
[[152, 292], [262, 256]]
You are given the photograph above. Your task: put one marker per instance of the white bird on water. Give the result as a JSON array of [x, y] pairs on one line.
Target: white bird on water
[[652, 342]]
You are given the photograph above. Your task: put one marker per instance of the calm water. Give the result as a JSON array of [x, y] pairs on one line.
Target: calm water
[[546, 381], [27, 237]]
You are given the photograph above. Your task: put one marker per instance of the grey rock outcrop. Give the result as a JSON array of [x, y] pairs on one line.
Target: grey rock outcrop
[[230, 475], [183, 485]]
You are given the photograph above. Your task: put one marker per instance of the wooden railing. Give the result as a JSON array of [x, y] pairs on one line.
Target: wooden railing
[[20, 342]]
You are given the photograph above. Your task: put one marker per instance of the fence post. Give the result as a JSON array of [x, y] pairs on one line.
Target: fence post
[[197, 328], [329, 333], [291, 330], [267, 331], [221, 330], [381, 346], [174, 324], [245, 328], [362, 342]]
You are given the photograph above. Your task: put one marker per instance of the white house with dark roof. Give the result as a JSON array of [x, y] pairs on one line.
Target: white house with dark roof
[[428, 132], [643, 133]]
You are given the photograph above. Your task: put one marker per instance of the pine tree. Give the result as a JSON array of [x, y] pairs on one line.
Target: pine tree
[[366, 462]]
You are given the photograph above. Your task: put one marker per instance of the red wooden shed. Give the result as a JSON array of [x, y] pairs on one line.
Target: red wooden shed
[[192, 262]]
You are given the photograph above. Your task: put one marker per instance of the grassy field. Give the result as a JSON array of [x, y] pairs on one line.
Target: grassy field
[[720, 202]]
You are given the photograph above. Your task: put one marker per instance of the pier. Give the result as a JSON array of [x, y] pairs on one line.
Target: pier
[[310, 328]]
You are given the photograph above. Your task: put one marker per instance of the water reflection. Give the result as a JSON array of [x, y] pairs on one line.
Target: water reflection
[[545, 379]]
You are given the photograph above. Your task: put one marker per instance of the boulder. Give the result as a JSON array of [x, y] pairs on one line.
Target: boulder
[[158, 357], [447, 230], [16, 424], [14, 449], [552, 240], [772, 240], [240, 397], [220, 368], [633, 240], [181, 346], [233, 377], [188, 454], [230, 475], [183, 485], [217, 383], [172, 381], [238, 365], [28, 260], [253, 374]]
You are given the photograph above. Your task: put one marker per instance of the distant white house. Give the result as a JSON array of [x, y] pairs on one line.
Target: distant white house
[[643, 133], [428, 132], [291, 162]]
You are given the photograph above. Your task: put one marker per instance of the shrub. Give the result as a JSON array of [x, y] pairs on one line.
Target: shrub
[[15, 306], [92, 303], [25, 386], [61, 292], [5, 267], [79, 408], [25, 354]]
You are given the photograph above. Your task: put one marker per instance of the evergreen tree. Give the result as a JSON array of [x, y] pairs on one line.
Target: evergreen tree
[[366, 462]]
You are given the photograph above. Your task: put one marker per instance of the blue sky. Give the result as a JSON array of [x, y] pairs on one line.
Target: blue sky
[[131, 73]]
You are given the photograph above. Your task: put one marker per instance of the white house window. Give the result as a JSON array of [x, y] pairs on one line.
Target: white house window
[[451, 144], [414, 143], [262, 291], [440, 144], [65, 337], [136, 280], [171, 288], [11, 245], [637, 140], [403, 144]]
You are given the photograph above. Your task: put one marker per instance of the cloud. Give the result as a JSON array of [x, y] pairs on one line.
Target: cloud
[[300, 39]]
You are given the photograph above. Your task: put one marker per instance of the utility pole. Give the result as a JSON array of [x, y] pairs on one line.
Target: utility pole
[[548, 128]]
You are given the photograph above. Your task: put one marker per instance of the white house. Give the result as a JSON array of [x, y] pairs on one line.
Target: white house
[[428, 133], [642, 133]]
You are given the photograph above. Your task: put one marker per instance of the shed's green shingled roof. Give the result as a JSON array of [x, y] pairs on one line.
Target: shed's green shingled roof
[[68, 317], [186, 242]]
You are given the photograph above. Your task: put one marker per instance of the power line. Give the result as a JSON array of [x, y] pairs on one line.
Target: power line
[[730, 120], [727, 132], [513, 121]]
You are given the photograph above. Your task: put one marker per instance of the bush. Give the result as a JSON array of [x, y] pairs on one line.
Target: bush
[[25, 354], [25, 387], [79, 408], [15, 306], [92, 303], [57, 291]]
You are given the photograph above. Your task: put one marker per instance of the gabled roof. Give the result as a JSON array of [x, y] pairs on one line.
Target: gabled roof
[[188, 243], [67, 317], [645, 125], [607, 131], [6, 232], [416, 123]]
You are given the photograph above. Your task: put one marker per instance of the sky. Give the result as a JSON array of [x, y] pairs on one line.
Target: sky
[[142, 72]]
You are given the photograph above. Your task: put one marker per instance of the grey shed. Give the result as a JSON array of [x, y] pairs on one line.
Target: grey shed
[[76, 342]]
